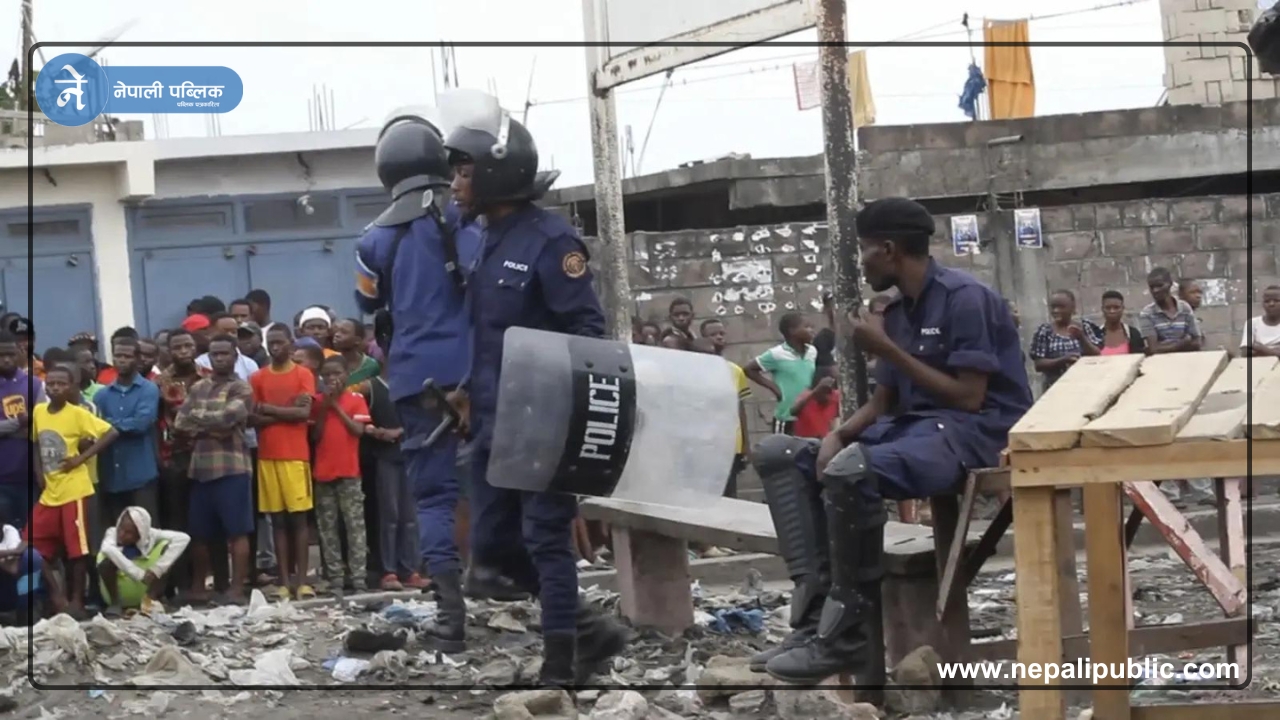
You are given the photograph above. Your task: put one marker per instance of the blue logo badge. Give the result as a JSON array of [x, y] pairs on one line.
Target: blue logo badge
[[71, 89], [173, 89]]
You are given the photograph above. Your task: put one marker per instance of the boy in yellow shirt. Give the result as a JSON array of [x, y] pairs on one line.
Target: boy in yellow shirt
[[59, 528]]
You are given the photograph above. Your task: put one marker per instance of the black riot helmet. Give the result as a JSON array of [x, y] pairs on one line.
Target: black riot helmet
[[410, 155], [501, 149], [1264, 39]]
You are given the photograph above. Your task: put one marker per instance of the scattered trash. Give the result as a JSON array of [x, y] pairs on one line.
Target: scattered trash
[[347, 669], [735, 620], [409, 613]]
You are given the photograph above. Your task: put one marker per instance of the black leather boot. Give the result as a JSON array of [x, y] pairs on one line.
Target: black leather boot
[[485, 583], [795, 504], [447, 632], [558, 666], [599, 639], [849, 634]]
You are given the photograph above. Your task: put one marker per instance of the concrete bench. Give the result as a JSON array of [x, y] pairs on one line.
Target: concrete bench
[[650, 553]]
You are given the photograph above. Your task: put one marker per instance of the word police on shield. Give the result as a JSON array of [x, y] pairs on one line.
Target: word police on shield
[[603, 418]]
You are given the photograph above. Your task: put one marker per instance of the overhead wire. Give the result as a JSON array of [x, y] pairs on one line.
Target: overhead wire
[[918, 35]]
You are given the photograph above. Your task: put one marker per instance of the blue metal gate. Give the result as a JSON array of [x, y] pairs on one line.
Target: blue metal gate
[[301, 253], [51, 278]]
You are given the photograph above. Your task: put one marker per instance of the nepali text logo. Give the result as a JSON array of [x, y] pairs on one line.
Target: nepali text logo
[[79, 81]]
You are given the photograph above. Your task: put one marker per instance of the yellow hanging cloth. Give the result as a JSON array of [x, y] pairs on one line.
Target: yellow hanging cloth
[[1011, 86], [864, 106]]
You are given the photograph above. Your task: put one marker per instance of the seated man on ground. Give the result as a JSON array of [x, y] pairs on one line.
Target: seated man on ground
[[134, 559], [20, 571], [948, 360]]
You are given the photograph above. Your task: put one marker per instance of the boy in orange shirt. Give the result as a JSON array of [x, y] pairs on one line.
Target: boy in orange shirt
[[340, 419], [59, 528], [282, 395]]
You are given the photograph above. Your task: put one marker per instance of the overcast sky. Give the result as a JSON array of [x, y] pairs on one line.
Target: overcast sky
[[740, 102]]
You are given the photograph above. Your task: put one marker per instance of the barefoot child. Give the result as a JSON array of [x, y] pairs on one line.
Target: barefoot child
[[59, 528], [134, 560]]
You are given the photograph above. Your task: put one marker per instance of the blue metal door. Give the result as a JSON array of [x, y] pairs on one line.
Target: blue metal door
[[63, 304], [302, 273], [173, 278]]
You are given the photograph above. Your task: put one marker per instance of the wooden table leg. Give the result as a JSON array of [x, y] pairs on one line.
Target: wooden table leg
[[1108, 625], [1069, 583], [653, 580], [1039, 614], [1231, 547]]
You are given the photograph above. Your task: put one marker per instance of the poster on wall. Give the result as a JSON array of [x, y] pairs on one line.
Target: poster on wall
[[964, 234], [1026, 223]]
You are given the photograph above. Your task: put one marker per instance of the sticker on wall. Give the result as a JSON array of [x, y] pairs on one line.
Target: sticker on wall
[[783, 231], [760, 234], [1026, 224], [964, 235]]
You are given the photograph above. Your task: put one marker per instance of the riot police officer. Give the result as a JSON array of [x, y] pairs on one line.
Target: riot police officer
[[411, 271], [532, 273]]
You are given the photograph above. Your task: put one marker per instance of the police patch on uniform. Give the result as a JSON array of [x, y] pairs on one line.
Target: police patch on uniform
[[574, 265]]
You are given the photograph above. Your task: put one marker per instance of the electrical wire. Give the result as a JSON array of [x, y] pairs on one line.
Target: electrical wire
[[915, 35]]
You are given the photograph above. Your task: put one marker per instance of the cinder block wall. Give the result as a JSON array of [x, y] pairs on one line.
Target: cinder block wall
[[1211, 75], [750, 276]]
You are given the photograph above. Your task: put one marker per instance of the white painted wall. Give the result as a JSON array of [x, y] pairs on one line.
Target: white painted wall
[[109, 177]]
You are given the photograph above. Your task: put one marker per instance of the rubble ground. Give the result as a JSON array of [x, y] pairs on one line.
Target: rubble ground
[[236, 651]]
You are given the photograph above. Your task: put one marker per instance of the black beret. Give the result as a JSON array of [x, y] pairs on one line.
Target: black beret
[[894, 217]]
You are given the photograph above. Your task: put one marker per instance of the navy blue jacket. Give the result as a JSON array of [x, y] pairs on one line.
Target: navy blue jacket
[[533, 273], [956, 324], [432, 326]]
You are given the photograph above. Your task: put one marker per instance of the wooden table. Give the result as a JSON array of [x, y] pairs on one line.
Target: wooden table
[[1113, 425]]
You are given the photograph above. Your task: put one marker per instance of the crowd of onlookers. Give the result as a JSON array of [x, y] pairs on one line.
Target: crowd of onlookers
[[220, 447], [210, 449]]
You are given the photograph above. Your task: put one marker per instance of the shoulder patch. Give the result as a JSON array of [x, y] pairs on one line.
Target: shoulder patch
[[574, 265]]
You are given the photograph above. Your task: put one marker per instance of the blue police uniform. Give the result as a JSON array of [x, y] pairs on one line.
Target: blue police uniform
[[532, 273], [432, 340], [957, 323]]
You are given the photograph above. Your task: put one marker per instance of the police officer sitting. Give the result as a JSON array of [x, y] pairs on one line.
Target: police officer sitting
[[410, 271], [532, 273], [948, 360]]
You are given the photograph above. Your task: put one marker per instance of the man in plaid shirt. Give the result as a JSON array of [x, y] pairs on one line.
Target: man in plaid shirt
[[215, 414]]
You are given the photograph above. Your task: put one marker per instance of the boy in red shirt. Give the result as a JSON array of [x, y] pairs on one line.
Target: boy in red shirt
[[817, 408], [340, 418], [282, 396]]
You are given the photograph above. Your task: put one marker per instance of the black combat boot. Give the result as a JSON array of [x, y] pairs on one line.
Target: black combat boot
[[599, 639], [558, 666], [484, 583], [849, 633], [447, 632], [795, 504]]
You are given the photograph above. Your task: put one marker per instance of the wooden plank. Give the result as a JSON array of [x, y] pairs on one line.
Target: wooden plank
[[1176, 461], [1223, 413], [653, 580], [745, 525], [1143, 641], [1226, 588], [1039, 618], [1068, 581], [1159, 403], [1231, 542], [1264, 421], [954, 547], [1108, 606], [1082, 394]]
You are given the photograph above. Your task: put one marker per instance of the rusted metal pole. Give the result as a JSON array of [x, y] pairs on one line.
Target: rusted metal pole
[[841, 157], [610, 224]]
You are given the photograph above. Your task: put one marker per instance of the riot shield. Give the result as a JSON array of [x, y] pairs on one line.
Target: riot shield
[[605, 418]]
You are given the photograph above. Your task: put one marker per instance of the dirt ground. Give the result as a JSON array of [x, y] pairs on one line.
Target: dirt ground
[[225, 649]]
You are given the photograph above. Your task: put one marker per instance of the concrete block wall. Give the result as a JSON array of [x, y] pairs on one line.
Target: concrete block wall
[[1211, 75], [750, 276]]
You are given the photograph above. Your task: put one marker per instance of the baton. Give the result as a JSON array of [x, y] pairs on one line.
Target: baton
[[433, 398]]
